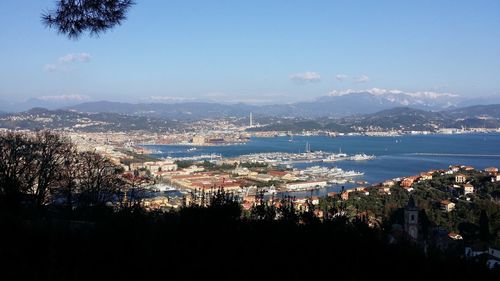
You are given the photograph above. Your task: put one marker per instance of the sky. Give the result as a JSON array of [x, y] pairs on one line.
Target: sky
[[254, 51]]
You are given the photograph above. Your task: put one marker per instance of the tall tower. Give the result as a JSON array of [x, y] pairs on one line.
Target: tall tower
[[251, 120], [411, 219]]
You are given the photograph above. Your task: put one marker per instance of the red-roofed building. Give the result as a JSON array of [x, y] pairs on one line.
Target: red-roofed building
[[408, 182], [491, 170]]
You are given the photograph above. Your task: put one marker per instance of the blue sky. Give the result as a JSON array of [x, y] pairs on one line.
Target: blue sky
[[255, 51]]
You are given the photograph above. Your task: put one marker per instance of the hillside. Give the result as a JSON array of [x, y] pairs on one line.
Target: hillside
[[40, 118], [400, 118]]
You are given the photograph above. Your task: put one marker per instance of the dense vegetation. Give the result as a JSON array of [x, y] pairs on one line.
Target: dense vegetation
[[56, 225]]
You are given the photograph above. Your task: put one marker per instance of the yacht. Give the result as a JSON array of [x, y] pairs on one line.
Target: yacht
[[349, 174], [361, 157]]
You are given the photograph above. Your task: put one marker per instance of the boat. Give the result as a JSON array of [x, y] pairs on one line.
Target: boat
[[271, 191], [361, 157], [335, 157], [192, 149], [162, 188], [349, 174]]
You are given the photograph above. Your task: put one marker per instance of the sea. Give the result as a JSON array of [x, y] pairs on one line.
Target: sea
[[396, 156]]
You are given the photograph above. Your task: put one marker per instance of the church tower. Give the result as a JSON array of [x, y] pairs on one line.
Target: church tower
[[411, 219]]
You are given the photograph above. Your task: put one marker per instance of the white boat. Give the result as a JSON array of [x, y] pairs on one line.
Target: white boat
[[163, 188], [335, 157], [270, 191], [349, 174], [361, 157]]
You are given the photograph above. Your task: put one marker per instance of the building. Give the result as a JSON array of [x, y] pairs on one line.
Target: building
[[198, 140], [411, 219], [495, 178], [468, 188], [426, 176], [305, 185], [160, 166], [494, 258], [447, 205], [491, 170], [344, 195], [384, 190], [408, 182], [460, 178], [388, 183]]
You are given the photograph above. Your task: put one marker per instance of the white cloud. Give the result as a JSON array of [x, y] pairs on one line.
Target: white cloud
[[341, 77], [394, 92], [69, 58], [308, 76], [168, 99], [64, 98], [64, 63], [362, 79], [50, 67]]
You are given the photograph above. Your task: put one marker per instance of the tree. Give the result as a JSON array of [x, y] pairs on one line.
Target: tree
[[74, 17], [484, 226], [51, 153], [16, 162], [98, 179]]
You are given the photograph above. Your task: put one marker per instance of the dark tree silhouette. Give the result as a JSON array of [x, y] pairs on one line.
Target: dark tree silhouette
[[98, 179], [74, 17], [484, 226], [51, 152], [16, 162]]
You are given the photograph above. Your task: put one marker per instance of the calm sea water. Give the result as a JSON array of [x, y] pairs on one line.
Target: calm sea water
[[396, 156]]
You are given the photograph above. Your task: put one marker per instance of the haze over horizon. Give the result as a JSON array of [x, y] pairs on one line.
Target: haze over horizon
[[258, 52]]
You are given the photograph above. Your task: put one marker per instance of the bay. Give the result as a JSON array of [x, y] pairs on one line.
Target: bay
[[395, 156]]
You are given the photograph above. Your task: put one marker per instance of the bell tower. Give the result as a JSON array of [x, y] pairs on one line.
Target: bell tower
[[411, 219]]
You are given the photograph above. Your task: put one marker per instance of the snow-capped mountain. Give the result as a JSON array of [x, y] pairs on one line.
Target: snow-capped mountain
[[426, 99]]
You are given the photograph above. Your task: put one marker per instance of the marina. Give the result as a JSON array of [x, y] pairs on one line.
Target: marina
[[409, 155]]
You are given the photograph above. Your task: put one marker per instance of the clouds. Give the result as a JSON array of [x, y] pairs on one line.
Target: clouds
[[306, 77], [362, 79], [311, 76], [64, 98], [394, 92], [168, 99], [66, 62], [341, 77], [69, 58]]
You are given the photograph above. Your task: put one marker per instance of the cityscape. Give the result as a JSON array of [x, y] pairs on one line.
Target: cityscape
[[139, 174]]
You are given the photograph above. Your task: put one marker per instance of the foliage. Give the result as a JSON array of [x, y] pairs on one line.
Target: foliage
[[74, 17]]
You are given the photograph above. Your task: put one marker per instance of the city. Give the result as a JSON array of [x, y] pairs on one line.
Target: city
[[249, 140]]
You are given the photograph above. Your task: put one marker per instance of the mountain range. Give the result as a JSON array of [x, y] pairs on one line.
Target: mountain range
[[399, 118], [335, 104]]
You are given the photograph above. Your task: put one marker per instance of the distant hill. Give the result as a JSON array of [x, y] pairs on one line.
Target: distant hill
[[180, 111], [48, 102], [41, 118], [400, 118], [491, 111]]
